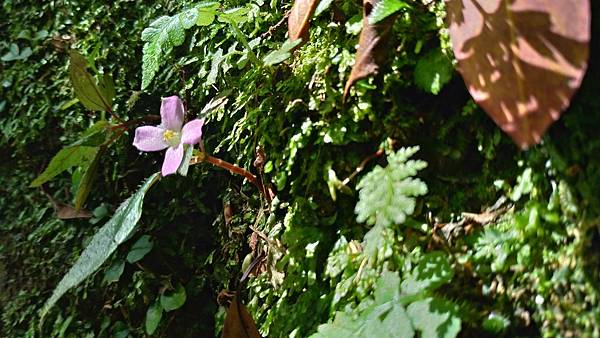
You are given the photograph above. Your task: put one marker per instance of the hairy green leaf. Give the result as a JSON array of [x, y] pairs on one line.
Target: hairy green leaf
[[161, 36], [103, 243], [387, 195]]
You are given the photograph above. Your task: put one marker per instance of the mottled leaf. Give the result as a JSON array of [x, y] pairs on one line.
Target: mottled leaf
[[299, 18], [238, 322], [522, 60], [103, 243], [371, 46]]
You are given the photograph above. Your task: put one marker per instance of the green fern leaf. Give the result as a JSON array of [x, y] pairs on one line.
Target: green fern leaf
[[387, 195]]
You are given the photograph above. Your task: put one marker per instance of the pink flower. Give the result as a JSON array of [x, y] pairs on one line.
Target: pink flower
[[171, 134]]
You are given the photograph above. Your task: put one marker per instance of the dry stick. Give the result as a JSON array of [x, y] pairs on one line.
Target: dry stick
[[271, 29], [362, 165]]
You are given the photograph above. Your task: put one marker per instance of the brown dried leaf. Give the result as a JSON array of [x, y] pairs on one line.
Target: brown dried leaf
[[65, 211], [299, 18], [238, 322], [522, 60], [371, 51]]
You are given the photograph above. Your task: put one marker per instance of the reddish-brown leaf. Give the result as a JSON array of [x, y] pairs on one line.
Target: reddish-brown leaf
[[238, 322], [65, 211], [299, 18], [371, 51], [522, 60]]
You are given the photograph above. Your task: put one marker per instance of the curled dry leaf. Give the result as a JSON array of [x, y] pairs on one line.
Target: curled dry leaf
[[299, 18], [371, 51], [238, 322], [522, 60], [65, 211]]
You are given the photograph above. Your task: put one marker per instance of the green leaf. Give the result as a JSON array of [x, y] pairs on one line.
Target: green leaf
[[385, 8], [153, 317], [322, 7], [103, 243], [66, 158], [165, 33], [95, 135], [173, 300], [235, 15], [281, 54], [86, 89], [140, 249], [432, 271], [114, 272], [185, 163], [433, 71], [85, 184], [435, 318], [206, 13], [386, 195]]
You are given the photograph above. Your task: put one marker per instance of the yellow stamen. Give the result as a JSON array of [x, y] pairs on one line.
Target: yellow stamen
[[168, 135]]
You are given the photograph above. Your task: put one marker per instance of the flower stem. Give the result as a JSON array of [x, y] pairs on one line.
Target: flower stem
[[234, 169]]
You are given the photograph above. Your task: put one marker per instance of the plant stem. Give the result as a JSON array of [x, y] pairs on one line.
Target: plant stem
[[234, 169]]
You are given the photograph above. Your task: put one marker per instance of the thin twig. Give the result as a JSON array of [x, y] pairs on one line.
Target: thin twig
[[271, 29], [362, 165]]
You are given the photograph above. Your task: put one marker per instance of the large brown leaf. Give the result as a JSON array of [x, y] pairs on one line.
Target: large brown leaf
[[238, 322], [371, 51], [522, 60], [299, 18]]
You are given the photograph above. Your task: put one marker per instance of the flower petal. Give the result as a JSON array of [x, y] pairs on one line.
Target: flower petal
[[149, 138], [192, 132], [173, 158], [171, 113]]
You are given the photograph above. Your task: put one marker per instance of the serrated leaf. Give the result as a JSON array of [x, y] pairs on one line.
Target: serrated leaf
[[387, 195], [299, 18], [432, 271], [153, 317], [385, 8], [522, 61], [435, 318], [140, 249], [114, 272], [66, 158], [173, 300], [86, 89], [281, 54], [372, 42], [433, 71], [103, 243], [161, 36]]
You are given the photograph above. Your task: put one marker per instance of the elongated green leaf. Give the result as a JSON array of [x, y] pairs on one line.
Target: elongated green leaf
[[103, 244], [281, 54], [85, 185], [66, 158], [173, 300], [86, 89], [153, 317]]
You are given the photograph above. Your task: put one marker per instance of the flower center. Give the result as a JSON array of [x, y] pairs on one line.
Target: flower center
[[173, 138]]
